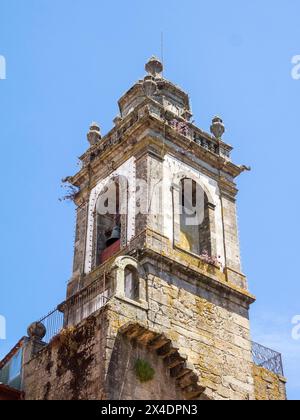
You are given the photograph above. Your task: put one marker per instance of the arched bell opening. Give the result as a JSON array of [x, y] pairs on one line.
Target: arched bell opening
[[195, 220], [111, 220]]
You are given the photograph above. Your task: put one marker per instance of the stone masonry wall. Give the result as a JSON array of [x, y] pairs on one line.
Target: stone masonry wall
[[72, 367], [95, 361], [232, 244], [268, 386], [210, 329], [80, 235], [122, 382], [86, 363]]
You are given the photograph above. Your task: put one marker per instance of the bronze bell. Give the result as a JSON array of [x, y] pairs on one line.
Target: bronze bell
[[115, 236]]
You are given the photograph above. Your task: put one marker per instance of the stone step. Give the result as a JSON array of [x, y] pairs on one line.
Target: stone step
[[179, 371], [174, 360], [180, 368], [188, 379], [193, 391], [158, 342], [146, 337], [166, 351], [136, 333], [127, 328]]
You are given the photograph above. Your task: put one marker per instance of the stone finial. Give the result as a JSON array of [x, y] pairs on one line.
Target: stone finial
[[36, 330], [150, 86], [94, 134], [154, 67], [217, 128], [117, 120]]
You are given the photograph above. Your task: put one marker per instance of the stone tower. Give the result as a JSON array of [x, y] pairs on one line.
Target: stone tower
[[157, 306]]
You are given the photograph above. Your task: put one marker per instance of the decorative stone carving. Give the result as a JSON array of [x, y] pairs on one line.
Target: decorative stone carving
[[150, 86], [217, 128], [120, 264], [154, 67], [36, 330], [117, 120], [94, 134]]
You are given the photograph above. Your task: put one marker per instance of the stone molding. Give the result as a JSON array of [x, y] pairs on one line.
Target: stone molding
[[119, 266]]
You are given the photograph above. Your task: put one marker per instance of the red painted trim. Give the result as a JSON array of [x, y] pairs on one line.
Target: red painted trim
[[110, 251]]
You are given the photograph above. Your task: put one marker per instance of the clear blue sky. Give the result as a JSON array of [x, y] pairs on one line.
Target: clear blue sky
[[69, 61]]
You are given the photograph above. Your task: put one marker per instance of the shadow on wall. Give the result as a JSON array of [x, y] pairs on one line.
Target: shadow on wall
[[122, 379]]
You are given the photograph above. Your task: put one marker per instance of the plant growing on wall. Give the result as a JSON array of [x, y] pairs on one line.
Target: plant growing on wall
[[71, 190], [211, 259], [144, 370]]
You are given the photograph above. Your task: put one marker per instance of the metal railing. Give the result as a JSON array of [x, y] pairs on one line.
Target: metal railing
[[87, 301], [53, 323], [77, 308], [267, 358]]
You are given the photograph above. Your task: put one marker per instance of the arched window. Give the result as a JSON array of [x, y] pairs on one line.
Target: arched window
[[195, 227], [111, 219], [131, 283]]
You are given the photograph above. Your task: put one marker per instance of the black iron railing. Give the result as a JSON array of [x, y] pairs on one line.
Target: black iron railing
[[77, 308], [267, 358], [54, 323]]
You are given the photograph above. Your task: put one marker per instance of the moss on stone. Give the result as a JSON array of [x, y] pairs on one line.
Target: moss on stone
[[144, 370]]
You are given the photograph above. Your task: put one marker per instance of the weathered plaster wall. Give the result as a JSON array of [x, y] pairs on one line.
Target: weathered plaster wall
[[268, 386]]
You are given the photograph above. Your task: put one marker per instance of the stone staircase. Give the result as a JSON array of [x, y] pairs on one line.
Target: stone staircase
[[180, 369]]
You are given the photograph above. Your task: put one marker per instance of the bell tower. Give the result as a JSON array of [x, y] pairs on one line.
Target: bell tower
[[139, 169], [157, 223], [157, 307]]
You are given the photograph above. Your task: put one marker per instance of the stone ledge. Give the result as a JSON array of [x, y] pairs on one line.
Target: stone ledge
[[139, 304], [189, 263]]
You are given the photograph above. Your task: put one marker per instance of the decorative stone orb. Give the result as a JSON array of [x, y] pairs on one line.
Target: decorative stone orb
[[217, 128], [94, 134], [36, 330], [154, 67]]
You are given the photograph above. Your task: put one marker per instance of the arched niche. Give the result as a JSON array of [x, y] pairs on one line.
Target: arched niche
[[130, 281]]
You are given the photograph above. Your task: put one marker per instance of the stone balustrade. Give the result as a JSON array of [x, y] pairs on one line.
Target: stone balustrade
[[157, 111]]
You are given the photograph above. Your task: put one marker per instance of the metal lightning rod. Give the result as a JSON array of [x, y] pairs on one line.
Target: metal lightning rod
[[162, 52]]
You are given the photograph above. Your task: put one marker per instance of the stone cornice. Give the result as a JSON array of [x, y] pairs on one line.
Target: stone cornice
[[206, 274], [177, 261], [143, 116], [148, 143]]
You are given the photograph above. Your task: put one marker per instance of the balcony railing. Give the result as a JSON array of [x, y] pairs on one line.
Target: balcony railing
[[54, 323], [79, 307], [267, 358]]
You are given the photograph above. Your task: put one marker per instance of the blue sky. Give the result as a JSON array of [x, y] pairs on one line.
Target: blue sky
[[69, 61]]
